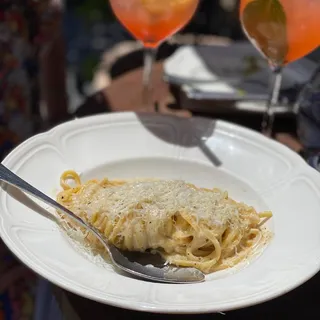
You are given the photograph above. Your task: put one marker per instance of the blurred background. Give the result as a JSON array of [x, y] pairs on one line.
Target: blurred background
[[91, 31], [96, 40]]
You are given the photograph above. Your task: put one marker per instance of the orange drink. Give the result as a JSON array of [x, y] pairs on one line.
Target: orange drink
[[283, 30], [152, 21]]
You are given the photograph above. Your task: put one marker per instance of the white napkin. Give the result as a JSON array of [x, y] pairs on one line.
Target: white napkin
[[226, 72]]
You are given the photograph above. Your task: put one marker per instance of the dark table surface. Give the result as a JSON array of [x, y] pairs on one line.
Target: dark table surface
[[124, 95]]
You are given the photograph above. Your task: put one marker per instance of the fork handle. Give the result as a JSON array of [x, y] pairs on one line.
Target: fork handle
[[117, 258]]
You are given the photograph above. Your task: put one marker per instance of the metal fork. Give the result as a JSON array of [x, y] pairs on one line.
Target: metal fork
[[120, 259]]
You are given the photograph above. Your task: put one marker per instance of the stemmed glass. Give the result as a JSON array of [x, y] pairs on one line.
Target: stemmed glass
[[152, 22], [283, 31]]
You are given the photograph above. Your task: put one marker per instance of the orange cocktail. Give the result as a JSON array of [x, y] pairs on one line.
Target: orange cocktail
[[284, 30], [153, 21]]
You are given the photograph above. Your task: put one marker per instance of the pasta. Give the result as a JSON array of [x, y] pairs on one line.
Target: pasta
[[189, 226]]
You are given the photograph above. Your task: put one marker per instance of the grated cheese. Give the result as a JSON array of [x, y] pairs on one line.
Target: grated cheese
[[159, 199]]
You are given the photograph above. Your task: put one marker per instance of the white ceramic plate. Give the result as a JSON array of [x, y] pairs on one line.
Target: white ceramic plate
[[251, 167]]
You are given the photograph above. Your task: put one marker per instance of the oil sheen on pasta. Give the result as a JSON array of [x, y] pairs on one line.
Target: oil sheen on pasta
[[189, 226]]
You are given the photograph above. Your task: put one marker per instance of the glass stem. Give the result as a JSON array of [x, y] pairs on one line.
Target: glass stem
[[268, 117], [147, 97]]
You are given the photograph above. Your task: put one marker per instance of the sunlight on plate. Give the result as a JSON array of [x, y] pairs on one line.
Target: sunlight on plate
[[206, 153]]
